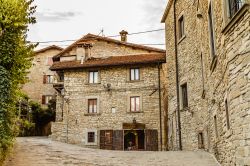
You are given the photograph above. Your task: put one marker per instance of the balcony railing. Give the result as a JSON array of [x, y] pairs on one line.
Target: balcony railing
[[234, 6]]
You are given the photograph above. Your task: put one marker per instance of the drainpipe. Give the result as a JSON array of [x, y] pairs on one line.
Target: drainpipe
[[177, 79], [159, 87]]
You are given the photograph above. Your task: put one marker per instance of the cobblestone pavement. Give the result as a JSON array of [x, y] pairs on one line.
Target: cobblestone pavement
[[41, 151]]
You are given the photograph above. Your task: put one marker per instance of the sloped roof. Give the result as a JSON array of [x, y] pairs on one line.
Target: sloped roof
[[48, 48], [149, 58], [90, 36], [169, 4]]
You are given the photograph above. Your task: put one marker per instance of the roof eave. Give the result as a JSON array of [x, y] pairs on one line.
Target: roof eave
[[166, 11], [105, 65]]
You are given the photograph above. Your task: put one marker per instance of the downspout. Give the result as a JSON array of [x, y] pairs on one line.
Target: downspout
[[177, 79], [159, 87]]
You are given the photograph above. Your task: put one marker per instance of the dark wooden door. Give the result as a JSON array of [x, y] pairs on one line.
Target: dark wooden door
[[118, 139], [151, 137], [106, 139]]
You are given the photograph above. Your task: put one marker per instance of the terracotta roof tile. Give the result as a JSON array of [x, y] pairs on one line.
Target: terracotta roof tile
[[90, 36], [112, 61], [49, 47]]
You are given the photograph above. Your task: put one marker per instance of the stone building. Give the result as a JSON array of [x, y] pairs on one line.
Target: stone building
[[208, 73], [110, 94], [39, 88]]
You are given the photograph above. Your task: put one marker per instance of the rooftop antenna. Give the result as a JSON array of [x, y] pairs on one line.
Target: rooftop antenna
[[102, 32]]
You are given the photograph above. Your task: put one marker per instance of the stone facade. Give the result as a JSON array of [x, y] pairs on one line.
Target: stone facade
[[217, 118], [35, 88], [112, 91]]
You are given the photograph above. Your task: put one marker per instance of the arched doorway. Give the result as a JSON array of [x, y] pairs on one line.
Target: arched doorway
[[134, 140]]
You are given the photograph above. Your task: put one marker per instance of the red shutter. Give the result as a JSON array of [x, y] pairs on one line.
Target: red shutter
[[44, 79], [43, 99]]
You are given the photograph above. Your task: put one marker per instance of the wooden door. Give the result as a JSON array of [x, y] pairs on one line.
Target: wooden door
[[106, 139], [151, 137], [118, 140]]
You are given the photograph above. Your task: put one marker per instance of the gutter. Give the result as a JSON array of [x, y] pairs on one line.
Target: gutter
[[177, 79], [160, 113]]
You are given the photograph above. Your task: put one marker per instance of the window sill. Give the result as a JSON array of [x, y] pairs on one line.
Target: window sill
[[181, 39], [91, 144], [134, 81], [238, 15], [214, 63], [135, 112], [94, 84], [92, 114]]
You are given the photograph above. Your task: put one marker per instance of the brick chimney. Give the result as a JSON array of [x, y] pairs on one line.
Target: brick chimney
[[83, 51], [123, 36]]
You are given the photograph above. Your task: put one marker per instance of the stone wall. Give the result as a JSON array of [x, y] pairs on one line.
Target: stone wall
[[227, 80], [78, 90], [35, 88]]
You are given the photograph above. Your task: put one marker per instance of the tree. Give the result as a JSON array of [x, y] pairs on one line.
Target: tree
[[15, 59]]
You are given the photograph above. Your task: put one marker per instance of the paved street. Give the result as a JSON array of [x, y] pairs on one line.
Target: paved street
[[41, 151]]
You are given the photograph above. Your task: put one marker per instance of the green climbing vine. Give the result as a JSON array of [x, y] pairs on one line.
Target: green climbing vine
[[15, 60]]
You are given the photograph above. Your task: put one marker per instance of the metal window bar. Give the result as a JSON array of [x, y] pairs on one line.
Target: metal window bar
[[234, 6]]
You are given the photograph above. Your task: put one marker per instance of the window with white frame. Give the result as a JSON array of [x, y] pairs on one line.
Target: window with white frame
[[92, 106], [91, 137], [181, 27], [234, 6], [135, 104], [93, 77], [134, 74]]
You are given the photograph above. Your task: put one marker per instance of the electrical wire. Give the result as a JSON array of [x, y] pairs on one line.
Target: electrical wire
[[134, 33]]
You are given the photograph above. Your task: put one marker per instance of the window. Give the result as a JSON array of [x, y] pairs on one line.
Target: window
[[92, 105], [93, 77], [134, 74], [91, 137], [200, 141], [46, 99], [181, 27], [227, 115], [184, 95], [211, 30], [135, 104], [49, 61], [234, 6], [48, 79], [215, 126]]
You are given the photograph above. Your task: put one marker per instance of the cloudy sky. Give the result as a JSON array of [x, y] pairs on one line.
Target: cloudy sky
[[71, 19]]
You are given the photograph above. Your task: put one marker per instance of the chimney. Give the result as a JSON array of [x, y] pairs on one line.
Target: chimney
[[123, 36], [79, 52], [87, 48]]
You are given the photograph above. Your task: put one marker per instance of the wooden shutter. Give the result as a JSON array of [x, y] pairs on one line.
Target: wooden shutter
[[102, 139], [118, 139], [151, 137], [43, 99], [44, 79], [106, 139]]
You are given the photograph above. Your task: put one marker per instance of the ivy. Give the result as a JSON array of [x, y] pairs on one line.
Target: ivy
[[15, 59]]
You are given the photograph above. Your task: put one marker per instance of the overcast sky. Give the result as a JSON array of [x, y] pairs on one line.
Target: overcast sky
[[71, 19]]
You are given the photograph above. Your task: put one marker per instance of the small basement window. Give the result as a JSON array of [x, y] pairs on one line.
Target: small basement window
[[91, 137]]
